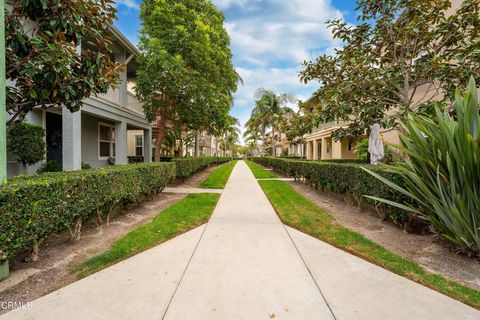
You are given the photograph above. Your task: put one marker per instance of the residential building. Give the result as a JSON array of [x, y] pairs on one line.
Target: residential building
[[209, 145], [297, 148], [108, 128], [281, 142]]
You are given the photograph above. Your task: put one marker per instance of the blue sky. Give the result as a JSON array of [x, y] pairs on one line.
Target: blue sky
[[270, 40]]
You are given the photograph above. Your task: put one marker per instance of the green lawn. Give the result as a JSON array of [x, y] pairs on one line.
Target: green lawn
[[300, 213], [259, 172], [191, 212], [218, 178]]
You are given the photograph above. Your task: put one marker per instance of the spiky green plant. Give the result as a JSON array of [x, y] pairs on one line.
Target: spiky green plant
[[442, 172]]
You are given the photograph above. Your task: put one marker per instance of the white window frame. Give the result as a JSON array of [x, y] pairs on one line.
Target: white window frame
[[142, 146], [112, 140]]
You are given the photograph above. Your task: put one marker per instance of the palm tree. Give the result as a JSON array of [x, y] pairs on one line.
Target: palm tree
[[230, 132], [251, 136], [270, 111]]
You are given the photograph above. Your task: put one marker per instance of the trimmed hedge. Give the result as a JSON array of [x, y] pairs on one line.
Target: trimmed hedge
[[32, 208], [347, 161], [346, 178], [188, 166]]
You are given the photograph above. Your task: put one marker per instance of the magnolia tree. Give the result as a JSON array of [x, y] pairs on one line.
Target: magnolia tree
[[404, 55], [43, 65], [186, 77]]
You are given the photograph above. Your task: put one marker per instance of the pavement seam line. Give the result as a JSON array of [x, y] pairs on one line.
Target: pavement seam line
[[298, 251], [309, 271], [184, 271]]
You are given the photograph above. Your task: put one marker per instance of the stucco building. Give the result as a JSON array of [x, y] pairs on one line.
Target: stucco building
[[107, 129]]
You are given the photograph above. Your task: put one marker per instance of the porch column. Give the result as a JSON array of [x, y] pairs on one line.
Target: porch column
[[315, 149], [336, 149], [121, 148], [324, 148], [147, 145], [308, 150], [122, 87], [71, 140]]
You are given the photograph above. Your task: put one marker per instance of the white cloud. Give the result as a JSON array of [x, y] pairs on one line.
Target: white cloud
[[271, 39], [278, 31], [225, 4], [132, 4]]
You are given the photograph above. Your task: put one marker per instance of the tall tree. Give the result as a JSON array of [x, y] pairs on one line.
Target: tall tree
[[186, 75], [404, 55], [230, 133], [43, 65], [252, 136], [270, 111]]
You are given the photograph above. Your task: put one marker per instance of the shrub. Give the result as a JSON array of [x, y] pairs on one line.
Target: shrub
[[443, 171], [26, 142], [346, 161], [361, 149], [32, 208], [185, 167], [346, 178], [50, 166], [86, 166]]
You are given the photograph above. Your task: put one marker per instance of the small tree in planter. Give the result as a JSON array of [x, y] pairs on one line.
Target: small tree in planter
[[26, 141]]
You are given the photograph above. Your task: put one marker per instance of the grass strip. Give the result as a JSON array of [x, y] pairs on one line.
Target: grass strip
[[187, 214], [300, 213], [259, 172], [219, 177]]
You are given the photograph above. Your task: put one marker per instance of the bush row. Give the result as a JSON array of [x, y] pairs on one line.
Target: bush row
[[188, 166], [347, 161], [34, 207], [347, 178]]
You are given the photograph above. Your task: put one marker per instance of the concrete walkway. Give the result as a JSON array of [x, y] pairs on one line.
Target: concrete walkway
[[244, 264]]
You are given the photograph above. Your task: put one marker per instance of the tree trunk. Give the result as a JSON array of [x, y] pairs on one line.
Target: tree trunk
[[264, 141], [162, 123], [197, 144], [183, 138], [225, 146], [274, 144]]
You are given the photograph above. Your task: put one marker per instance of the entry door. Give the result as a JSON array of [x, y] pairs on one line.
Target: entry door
[[54, 137]]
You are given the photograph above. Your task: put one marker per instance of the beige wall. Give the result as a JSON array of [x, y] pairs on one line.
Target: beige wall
[[131, 141]]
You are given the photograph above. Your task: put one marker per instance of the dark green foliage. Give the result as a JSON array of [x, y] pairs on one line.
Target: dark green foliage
[[362, 149], [188, 166], [50, 166], [41, 38], [346, 178], [293, 157], [32, 208], [443, 170], [86, 166], [345, 161], [26, 142]]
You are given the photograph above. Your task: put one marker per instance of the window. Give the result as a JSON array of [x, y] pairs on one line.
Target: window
[[138, 146], [106, 141], [350, 145]]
